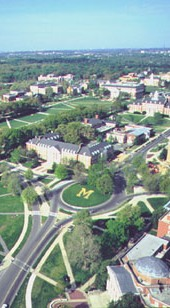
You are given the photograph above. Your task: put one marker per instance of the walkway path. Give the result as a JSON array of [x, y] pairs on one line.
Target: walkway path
[[4, 246], [36, 272], [5, 195], [144, 198], [66, 262], [8, 123], [8, 257]]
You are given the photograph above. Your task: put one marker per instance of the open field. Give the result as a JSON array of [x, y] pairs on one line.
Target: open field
[[3, 190], [43, 293], [135, 118], [158, 202], [55, 108], [54, 268], [10, 228], [11, 204], [95, 198]]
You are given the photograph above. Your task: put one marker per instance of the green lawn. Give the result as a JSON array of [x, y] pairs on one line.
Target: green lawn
[[10, 228], [144, 210], [46, 180], [3, 190], [158, 202], [17, 124], [70, 196], [25, 237], [33, 118], [10, 204], [43, 293], [135, 118], [54, 267], [3, 125]]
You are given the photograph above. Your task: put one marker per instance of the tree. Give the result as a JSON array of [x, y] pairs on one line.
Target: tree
[[29, 174], [127, 300], [61, 172], [79, 172], [83, 249], [156, 215], [131, 218], [49, 93], [83, 217], [165, 183], [152, 183], [5, 178], [29, 195], [105, 184], [14, 184], [163, 154]]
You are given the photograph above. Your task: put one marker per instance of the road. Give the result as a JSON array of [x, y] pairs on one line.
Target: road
[[12, 278]]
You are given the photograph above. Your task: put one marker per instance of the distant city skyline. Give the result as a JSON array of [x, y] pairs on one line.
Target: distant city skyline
[[77, 24]]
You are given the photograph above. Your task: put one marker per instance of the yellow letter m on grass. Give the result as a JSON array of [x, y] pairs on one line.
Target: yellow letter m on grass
[[85, 193]]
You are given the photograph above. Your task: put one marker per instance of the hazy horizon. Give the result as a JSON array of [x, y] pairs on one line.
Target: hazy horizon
[[77, 25]]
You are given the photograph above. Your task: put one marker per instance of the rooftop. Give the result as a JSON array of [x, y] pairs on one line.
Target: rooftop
[[148, 245], [152, 267], [124, 279]]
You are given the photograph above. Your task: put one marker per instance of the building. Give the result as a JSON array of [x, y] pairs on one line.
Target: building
[[56, 151], [164, 226], [14, 96], [129, 133], [119, 282], [53, 77], [136, 90], [152, 104], [41, 88], [147, 273], [152, 80]]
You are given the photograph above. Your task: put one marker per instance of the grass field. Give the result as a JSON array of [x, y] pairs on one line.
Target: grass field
[[144, 210], [135, 118], [10, 228], [70, 196], [54, 267], [158, 202], [43, 293], [58, 107], [11, 204], [33, 118], [3, 190]]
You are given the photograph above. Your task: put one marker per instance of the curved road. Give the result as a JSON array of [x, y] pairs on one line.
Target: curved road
[[12, 278]]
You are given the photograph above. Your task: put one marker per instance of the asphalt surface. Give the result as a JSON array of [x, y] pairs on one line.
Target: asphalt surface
[[12, 278]]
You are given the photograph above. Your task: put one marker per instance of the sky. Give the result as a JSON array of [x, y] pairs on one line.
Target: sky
[[29, 25]]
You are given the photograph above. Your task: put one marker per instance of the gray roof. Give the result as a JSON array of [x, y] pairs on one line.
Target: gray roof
[[94, 121], [124, 279], [94, 148], [146, 246], [152, 267]]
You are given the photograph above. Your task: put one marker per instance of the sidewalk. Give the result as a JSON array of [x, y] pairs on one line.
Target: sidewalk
[[36, 272], [8, 258]]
